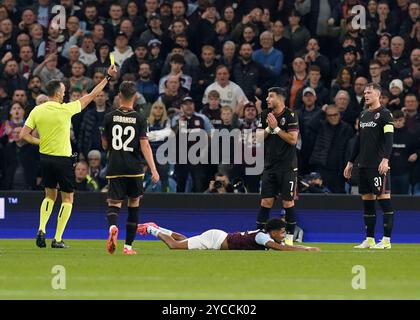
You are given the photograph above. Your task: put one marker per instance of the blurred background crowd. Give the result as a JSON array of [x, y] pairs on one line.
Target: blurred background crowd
[[210, 63]]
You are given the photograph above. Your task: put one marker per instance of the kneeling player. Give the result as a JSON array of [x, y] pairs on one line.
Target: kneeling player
[[124, 135], [272, 237]]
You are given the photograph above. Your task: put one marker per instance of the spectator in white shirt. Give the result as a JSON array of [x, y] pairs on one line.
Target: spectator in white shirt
[[87, 51], [230, 93], [122, 50]]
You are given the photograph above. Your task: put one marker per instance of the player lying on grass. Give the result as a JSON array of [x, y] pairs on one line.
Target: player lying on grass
[[272, 237]]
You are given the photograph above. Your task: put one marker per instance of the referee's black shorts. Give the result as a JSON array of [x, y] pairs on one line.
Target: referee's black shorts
[[279, 181], [371, 182], [58, 172], [122, 187]]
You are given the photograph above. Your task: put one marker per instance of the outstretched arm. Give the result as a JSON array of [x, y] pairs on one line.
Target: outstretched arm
[[276, 246], [85, 100]]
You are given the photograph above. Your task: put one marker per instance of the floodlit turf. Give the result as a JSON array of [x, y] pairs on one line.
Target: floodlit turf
[[158, 273]]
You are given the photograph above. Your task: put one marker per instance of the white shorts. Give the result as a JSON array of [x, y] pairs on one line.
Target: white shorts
[[209, 240]]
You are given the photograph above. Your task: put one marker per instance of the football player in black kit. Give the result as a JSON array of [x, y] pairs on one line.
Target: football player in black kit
[[125, 139], [269, 238], [280, 162], [374, 146]]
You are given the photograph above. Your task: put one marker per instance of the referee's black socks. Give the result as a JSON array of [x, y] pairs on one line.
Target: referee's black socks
[[262, 217], [369, 217], [290, 220], [131, 226], [388, 212], [112, 215]]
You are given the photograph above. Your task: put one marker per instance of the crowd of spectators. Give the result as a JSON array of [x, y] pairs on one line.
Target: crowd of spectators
[[210, 63]]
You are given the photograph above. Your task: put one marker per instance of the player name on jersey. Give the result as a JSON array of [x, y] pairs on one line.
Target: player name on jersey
[[124, 119]]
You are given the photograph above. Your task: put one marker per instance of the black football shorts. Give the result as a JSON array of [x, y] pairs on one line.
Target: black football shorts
[[122, 187], [58, 172], [275, 182], [371, 182]]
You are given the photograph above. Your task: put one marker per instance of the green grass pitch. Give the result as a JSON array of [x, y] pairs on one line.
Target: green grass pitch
[[158, 273]]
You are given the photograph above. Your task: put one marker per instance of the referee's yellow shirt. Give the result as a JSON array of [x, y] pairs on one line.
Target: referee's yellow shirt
[[53, 121]]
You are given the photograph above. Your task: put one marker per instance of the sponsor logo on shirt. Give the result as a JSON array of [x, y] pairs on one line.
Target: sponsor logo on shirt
[[370, 124]]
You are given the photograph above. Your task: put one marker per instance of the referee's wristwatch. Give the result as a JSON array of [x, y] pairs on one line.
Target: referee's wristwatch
[[269, 130]]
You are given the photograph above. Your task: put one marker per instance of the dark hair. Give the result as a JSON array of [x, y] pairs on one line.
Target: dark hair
[[52, 87], [33, 76], [128, 90], [219, 174], [314, 67], [115, 3], [294, 13], [411, 94], [144, 62], [177, 46], [75, 89], [222, 66], [90, 4], [177, 58], [181, 35], [372, 62], [275, 224], [87, 36], [340, 75], [398, 114], [279, 91], [375, 86], [183, 2], [98, 24], [386, 93]]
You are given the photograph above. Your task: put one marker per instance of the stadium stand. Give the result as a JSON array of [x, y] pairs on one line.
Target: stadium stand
[[315, 49]]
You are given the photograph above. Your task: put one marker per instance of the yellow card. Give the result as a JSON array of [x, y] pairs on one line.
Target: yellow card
[[111, 57]]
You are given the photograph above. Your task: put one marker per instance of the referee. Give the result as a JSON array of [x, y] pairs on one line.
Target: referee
[[374, 147], [280, 163], [52, 120]]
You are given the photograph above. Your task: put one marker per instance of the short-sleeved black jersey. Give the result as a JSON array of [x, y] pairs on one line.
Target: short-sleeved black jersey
[[278, 153], [123, 131], [372, 127]]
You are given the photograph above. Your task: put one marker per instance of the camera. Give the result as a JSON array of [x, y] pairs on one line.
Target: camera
[[218, 184]]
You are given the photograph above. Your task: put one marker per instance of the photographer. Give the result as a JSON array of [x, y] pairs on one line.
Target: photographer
[[220, 184], [313, 184]]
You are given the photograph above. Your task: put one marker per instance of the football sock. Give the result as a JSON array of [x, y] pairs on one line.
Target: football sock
[[289, 238], [153, 231], [386, 207], [131, 226], [165, 231], [290, 220], [369, 217], [129, 247], [47, 206], [386, 240], [262, 217], [63, 217], [112, 215]]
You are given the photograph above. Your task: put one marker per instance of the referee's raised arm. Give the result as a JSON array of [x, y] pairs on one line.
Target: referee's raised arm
[[85, 100]]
